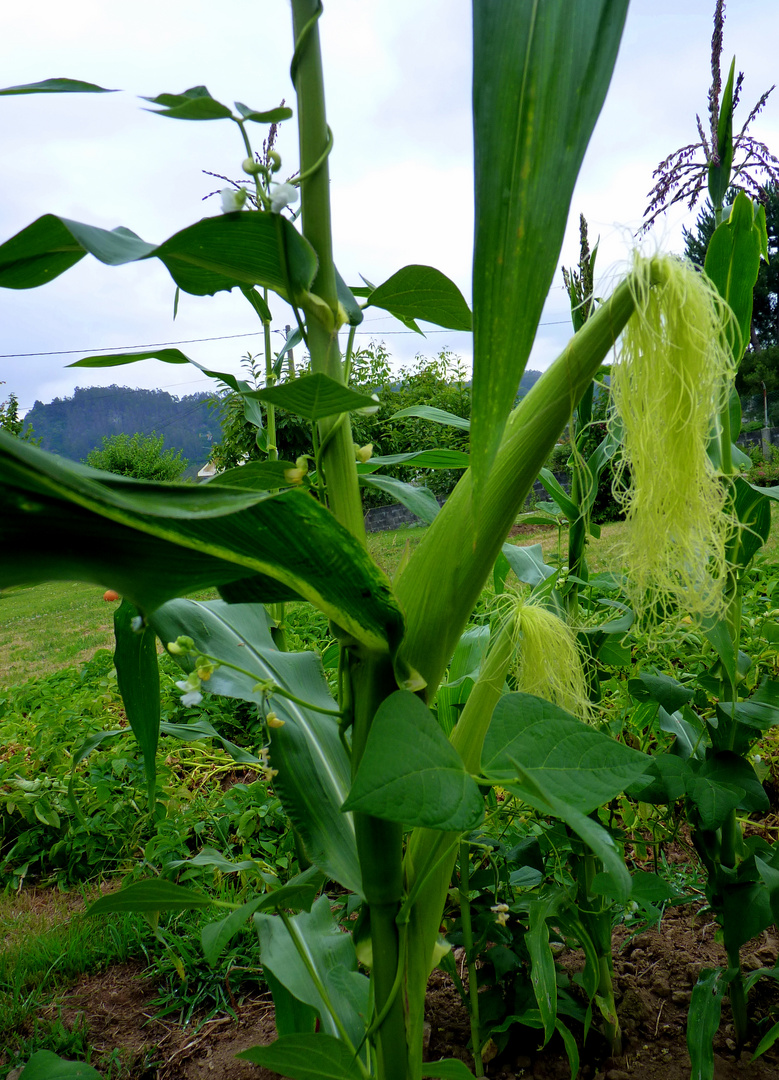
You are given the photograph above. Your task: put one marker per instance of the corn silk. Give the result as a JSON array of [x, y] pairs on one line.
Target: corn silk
[[670, 383]]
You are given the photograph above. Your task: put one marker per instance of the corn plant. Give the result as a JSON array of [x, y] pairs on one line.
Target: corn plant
[[378, 793], [711, 753]]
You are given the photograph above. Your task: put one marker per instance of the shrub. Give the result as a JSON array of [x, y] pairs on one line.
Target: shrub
[[140, 456]]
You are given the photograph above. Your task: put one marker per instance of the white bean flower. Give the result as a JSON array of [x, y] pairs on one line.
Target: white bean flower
[[282, 195], [232, 199], [190, 688]]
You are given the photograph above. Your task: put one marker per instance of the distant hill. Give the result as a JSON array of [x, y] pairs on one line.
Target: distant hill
[[528, 381], [75, 425]]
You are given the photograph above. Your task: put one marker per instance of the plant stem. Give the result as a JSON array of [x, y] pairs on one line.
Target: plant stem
[[470, 955], [322, 317], [270, 378], [438, 591], [596, 917], [380, 848], [738, 998], [422, 861], [611, 1028]]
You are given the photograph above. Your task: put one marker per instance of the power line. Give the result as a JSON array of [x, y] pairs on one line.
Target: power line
[[121, 348], [222, 337]]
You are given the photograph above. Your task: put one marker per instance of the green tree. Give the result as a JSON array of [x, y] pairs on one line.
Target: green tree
[[440, 382], [11, 422], [140, 456]]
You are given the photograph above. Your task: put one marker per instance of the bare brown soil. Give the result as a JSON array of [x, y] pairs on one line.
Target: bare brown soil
[[655, 972]]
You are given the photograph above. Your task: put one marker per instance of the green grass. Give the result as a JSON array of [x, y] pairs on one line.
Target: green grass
[[48, 942], [44, 628], [390, 547]]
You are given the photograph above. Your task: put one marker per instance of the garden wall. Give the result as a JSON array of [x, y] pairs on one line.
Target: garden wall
[[764, 437]]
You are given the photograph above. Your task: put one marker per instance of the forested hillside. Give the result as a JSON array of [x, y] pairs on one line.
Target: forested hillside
[[75, 425]]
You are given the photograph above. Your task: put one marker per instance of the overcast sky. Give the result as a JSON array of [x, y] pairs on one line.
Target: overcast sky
[[398, 85]]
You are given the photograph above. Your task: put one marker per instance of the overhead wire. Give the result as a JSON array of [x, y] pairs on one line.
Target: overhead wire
[[221, 337]]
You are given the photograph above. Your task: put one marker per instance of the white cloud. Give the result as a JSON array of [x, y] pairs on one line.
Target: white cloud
[[398, 83]]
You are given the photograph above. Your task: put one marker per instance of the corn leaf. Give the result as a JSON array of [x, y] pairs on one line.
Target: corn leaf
[[703, 1020], [154, 894], [541, 71], [437, 416], [419, 500], [732, 263], [151, 542]]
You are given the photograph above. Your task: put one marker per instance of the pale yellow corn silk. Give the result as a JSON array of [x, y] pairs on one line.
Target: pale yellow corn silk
[[671, 380], [548, 661]]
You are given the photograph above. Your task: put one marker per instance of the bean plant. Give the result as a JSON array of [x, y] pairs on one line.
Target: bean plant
[[379, 790]]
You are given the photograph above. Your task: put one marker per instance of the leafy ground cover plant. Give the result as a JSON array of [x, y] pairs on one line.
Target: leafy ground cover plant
[[381, 822], [67, 815]]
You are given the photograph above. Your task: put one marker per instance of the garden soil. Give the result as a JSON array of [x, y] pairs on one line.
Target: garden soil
[[655, 971]]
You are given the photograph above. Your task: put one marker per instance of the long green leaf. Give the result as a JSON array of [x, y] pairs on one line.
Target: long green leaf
[[151, 542], [732, 263], [541, 71], [152, 895], [753, 511], [703, 1020], [57, 86], [217, 253], [542, 972], [138, 679], [720, 166], [424, 459], [167, 356], [463, 672], [419, 500], [767, 1041], [314, 773], [559, 494], [437, 416]]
